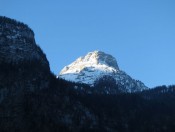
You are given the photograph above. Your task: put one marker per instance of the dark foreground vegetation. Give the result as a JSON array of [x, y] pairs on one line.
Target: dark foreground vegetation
[[32, 99]]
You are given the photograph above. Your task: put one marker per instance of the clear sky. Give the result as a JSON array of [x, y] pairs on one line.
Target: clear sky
[[139, 33]]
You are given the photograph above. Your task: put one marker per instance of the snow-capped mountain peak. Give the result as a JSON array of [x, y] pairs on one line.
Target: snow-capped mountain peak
[[96, 64], [96, 59], [101, 58]]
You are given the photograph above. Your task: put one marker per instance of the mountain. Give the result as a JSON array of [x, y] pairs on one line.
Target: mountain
[[23, 65], [95, 65], [18, 43], [32, 99]]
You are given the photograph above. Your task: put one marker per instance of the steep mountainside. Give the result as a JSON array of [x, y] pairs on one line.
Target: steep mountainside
[[23, 65], [18, 43], [95, 65]]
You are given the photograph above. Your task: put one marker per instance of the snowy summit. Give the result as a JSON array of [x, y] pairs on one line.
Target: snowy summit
[[95, 65]]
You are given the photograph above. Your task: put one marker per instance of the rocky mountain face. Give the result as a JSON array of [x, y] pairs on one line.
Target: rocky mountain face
[[95, 65], [23, 64], [17, 43]]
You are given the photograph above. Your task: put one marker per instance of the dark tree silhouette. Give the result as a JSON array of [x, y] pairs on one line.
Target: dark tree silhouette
[[106, 85]]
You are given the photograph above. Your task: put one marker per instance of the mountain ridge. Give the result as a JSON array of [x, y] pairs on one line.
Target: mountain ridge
[[23, 63], [95, 65], [18, 44]]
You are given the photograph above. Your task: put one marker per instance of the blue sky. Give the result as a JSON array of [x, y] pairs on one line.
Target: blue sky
[[139, 33]]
